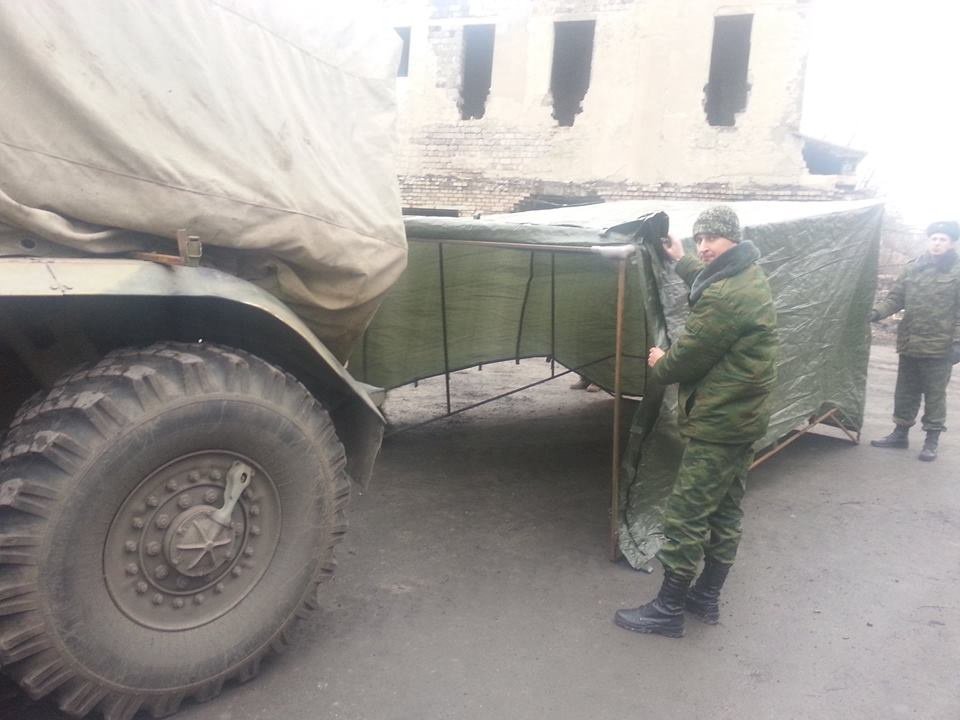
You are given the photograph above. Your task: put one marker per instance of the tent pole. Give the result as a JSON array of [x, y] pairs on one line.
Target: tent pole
[[553, 314], [617, 402], [443, 319]]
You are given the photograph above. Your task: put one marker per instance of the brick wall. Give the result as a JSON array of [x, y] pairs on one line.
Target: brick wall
[[474, 192]]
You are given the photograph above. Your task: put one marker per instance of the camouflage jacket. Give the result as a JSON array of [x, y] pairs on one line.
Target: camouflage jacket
[[928, 291], [725, 360]]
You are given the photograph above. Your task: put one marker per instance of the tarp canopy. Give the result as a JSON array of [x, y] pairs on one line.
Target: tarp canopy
[[465, 300], [265, 128]]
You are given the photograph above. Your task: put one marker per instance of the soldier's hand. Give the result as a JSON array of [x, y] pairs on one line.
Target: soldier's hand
[[673, 248], [655, 355], [874, 316]]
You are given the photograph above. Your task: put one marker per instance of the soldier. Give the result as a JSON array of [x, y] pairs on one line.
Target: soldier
[[725, 362], [928, 338]]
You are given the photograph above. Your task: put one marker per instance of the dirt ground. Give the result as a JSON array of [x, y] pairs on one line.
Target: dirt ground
[[474, 583]]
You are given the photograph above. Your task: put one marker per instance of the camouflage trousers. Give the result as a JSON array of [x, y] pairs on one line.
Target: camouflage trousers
[[702, 515], [926, 377]]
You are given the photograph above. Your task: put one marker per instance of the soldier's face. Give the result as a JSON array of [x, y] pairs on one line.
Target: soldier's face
[[710, 247], [939, 243]]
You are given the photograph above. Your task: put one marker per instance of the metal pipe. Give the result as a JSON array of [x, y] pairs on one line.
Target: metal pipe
[[617, 402], [443, 320], [797, 434], [612, 251], [476, 404], [553, 314], [523, 310]]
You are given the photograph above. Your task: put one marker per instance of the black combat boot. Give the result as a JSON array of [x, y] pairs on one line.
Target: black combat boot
[[703, 601], [664, 614], [929, 452], [897, 439]]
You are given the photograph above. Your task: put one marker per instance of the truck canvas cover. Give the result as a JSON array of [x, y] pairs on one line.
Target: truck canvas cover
[[264, 128]]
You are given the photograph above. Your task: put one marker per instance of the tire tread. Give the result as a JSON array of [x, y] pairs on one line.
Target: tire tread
[[53, 435]]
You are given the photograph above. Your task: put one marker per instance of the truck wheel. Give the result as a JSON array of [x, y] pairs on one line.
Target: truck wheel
[[127, 580]]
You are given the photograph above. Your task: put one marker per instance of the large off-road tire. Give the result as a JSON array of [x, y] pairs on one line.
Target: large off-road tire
[[118, 590]]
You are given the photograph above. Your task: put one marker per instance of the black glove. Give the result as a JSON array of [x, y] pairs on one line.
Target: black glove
[[955, 353]]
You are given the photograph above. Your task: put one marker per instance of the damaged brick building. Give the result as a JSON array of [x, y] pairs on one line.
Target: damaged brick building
[[518, 104]]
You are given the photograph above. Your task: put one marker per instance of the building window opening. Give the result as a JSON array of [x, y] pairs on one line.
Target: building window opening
[[477, 70], [403, 69], [727, 88], [572, 58]]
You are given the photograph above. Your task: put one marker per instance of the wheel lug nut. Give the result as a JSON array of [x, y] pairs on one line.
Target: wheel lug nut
[[142, 587], [209, 496], [138, 523], [216, 475], [163, 522], [132, 569], [130, 546], [237, 570], [229, 554], [254, 510], [194, 476], [161, 572], [153, 501], [198, 599], [153, 549], [185, 501], [157, 599], [178, 603], [172, 485], [248, 551], [218, 588], [255, 530]]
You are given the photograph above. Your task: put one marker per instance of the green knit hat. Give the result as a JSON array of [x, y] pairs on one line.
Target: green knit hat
[[718, 220]]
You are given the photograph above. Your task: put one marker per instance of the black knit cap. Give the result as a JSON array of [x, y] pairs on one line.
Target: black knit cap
[[950, 228]]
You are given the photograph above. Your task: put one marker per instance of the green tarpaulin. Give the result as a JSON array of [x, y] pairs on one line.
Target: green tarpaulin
[[464, 300]]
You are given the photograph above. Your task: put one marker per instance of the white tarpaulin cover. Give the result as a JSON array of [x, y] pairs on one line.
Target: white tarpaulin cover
[[264, 127]]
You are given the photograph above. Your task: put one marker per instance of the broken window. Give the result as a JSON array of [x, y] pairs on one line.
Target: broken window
[[572, 57], [477, 70], [727, 88], [404, 67], [824, 158]]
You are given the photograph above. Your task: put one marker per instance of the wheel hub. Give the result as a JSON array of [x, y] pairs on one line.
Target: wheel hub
[[196, 545], [177, 555]]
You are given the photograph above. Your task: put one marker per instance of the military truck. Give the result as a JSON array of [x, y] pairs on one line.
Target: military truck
[[189, 244]]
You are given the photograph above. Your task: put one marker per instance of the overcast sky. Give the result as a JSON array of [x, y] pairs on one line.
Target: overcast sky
[[885, 77]]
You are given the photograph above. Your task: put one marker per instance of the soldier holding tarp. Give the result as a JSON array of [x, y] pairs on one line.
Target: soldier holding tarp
[[725, 363]]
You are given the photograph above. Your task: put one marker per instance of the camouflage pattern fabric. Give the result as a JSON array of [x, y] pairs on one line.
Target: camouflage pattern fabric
[[702, 515], [725, 358], [720, 221], [927, 377], [929, 292]]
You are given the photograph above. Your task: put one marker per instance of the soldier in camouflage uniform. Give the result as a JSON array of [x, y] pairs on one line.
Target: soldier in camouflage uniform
[[725, 363], [928, 338]]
